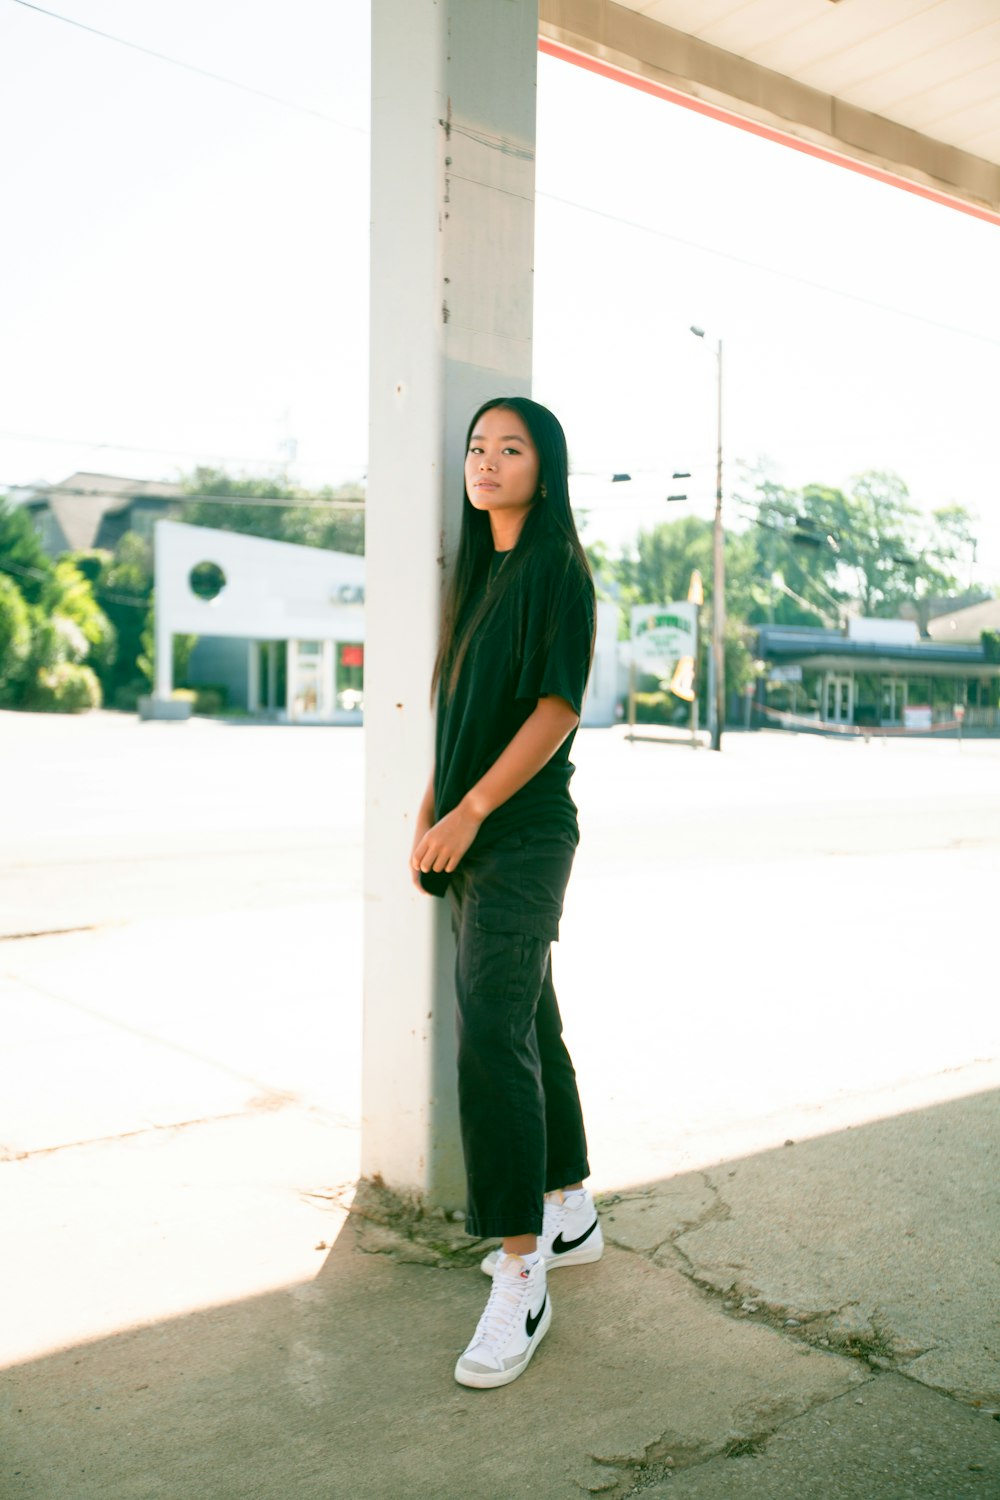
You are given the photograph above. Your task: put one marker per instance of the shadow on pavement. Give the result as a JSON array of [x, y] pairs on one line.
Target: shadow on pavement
[[690, 1361]]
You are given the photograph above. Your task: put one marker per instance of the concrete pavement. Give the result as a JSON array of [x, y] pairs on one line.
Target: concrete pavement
[[192, 1310]]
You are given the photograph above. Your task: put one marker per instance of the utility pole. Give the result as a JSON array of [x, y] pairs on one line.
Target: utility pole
[[719, 582], [717, 674]]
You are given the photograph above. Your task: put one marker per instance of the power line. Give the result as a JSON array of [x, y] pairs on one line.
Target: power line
[[553, 197], [756, 265], [11, 567], [46, 492], [207, 455], [311, 504], [176, 62]]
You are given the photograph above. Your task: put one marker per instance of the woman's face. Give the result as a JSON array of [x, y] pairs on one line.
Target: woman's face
[[501, 466]]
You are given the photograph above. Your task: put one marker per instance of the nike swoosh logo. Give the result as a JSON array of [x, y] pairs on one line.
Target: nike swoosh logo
[[531, 1323], [560, 1246]]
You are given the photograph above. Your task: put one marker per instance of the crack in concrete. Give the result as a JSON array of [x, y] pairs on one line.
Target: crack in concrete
[[44, 932], [627, 1475], [715, 1212], [845, 1330], [869, 1338], [861, 1338]]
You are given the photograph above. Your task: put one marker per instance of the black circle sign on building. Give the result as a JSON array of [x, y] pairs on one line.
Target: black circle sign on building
[[207, 580]]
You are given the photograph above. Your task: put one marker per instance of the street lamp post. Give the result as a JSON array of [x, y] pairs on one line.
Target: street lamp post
[[717, 689]]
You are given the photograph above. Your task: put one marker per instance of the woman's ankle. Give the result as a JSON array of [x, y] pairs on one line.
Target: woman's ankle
[[520, 1244]]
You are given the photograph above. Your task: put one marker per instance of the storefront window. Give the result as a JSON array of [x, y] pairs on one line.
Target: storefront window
[[892, 700], [350, 676], [808, 696], [945, 693], [272, 656], [866, 699], [780, 695], [917, 713]]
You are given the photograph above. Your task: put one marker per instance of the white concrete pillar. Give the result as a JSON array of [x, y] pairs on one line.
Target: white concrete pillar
[[453, 134], [253, 676]]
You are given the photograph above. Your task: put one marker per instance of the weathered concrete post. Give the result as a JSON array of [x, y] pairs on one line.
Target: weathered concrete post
[[453, 135]]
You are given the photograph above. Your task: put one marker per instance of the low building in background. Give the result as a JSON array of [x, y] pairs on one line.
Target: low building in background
[[875, 674], [95, 510], [966, 625]]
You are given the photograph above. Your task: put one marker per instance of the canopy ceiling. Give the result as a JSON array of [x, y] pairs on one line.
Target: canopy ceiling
[[908, 87]]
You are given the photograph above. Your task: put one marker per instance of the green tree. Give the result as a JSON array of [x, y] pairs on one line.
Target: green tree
[[57, 642], [323, 522], [21, 553], [658, 567], [57, 624], [607, 585], [867, 547], [333, 525], [954, 526], [69, 594], [124, 589], [15, 640], [658, 571], [793, 574], [182, 646], [875, 525]]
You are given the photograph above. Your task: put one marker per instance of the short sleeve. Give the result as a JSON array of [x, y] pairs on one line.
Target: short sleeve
[[559, 631]]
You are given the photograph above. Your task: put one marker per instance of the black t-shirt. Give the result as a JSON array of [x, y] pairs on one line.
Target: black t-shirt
[[536, 641]]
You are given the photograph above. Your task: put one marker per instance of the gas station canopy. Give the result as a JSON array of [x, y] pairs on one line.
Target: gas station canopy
[[907, 89]]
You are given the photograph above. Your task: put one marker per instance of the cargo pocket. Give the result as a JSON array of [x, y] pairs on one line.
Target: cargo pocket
[[510, 952]]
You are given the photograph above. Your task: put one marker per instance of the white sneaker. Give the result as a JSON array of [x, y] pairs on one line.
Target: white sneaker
[[517, 1317], [571, 1232]]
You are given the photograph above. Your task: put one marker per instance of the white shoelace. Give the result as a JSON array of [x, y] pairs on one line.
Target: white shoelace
[[554, 1216], [503, 1304], [556, 1210]]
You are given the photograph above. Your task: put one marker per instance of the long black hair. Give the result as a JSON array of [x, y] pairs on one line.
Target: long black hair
[[548, 526]]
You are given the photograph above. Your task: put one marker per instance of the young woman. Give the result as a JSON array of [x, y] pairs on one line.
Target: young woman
[[497, 829]]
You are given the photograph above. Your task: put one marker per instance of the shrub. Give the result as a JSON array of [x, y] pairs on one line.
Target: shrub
[[660, 708], [15, 639], [127, 696], [65, 688], [48, 645], [210, 700]]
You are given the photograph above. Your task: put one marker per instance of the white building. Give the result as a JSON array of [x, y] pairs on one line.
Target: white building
[[281, 625]]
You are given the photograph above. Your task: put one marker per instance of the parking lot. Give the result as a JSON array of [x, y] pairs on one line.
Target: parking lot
[[788, 945]]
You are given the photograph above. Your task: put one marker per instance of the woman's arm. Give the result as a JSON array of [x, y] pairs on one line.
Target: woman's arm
[[534, 745]]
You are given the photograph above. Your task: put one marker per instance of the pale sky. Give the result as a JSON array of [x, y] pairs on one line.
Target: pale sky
[[184, 271]]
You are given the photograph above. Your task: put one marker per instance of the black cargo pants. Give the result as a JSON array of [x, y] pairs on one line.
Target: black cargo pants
[[522, 1126]]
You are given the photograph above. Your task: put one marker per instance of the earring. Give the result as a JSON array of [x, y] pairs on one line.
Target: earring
[[543, 492]]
